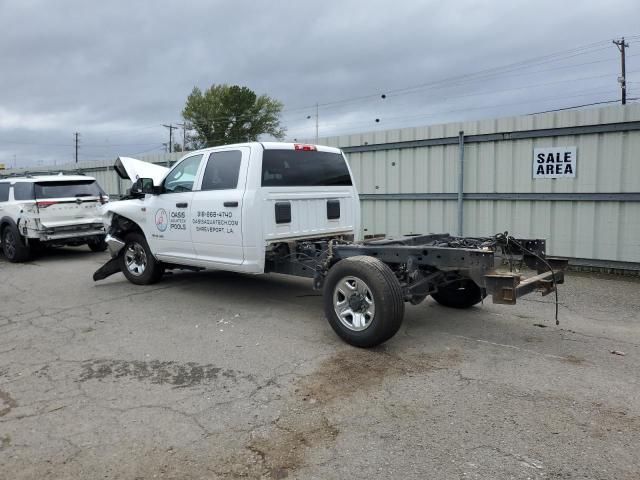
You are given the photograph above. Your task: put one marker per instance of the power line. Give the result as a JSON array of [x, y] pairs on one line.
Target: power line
[[465, 78], [450, 84], [526, 87], [465, 109], [314, 107], [578, 106], [483, 74]]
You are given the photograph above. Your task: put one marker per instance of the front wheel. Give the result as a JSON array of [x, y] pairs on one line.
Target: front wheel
[[363, 301], [137, 262], [12, 246], [460, 294]]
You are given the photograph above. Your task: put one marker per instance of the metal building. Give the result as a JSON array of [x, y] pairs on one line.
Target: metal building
[[409, 181]]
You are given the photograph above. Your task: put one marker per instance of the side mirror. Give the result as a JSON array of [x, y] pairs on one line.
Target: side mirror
[[143, 186], [146, 186]]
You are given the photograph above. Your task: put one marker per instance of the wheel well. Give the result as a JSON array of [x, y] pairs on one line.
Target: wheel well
[[4, 223], [120, 226]]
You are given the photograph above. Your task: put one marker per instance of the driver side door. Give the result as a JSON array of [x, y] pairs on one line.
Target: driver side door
[[169, 213]]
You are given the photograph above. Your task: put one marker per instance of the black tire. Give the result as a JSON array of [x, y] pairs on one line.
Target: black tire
[[97, 245], [37, 247], [460, 294], [136, 249], [13, 246], [381, 287]]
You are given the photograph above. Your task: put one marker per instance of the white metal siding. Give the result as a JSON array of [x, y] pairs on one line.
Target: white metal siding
[[607, 163]]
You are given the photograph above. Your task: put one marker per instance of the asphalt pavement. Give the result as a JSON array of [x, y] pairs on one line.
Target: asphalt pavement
[[219, 375]]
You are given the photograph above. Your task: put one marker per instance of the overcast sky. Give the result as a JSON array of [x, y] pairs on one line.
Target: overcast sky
[[115, 71]]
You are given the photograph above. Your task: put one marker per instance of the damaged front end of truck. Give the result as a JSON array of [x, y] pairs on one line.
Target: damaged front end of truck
[[119, 217]]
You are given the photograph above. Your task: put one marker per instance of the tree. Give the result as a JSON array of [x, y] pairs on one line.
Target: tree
[[224, 114]]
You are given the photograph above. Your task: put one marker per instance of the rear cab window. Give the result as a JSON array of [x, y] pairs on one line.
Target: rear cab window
[[67, 189], [295, 168]]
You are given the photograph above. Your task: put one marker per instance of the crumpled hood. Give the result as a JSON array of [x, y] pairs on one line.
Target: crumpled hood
[[132, 169]]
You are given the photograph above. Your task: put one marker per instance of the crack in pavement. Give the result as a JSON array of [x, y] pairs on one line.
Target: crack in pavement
[[7, 403]]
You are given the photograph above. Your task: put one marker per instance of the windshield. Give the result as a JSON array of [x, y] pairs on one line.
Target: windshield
[[295, 168], [80, 188]]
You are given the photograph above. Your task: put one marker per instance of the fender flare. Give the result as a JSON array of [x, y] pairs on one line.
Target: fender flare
[[8, 221], [4, 221]]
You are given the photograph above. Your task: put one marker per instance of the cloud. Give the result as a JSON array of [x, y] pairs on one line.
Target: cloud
[[116, 71]]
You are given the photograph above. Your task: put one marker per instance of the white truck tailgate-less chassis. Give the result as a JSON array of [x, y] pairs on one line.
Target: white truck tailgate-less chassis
[[293, 209]]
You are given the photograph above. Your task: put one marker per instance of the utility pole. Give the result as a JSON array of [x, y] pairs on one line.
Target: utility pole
[[171, 129], [76, 136], [622, 45], [317, 119], [184, 135]]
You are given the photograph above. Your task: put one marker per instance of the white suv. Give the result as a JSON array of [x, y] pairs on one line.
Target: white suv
[[50, 210]]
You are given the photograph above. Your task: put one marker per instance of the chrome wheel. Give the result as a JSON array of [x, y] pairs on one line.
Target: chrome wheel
[[353, 303], [135, 259]]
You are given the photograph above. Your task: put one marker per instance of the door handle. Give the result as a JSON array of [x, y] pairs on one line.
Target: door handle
[[182, 205], [230, 204]]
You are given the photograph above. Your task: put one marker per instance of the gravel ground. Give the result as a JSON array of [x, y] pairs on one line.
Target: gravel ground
[[217, 375]]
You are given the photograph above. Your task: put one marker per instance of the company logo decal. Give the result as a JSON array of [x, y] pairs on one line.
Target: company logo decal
[[162, 219]]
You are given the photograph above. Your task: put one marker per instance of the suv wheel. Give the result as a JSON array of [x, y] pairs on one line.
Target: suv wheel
[[97, 245], [14, 250], [138, 263]]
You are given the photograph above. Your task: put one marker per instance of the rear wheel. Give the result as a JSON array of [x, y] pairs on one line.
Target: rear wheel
[[97, 245], [138, 263], [12, 245], [460, 294], [363, 301]]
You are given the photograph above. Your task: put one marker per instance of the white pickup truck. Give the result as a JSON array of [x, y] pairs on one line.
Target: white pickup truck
[[293, 209]]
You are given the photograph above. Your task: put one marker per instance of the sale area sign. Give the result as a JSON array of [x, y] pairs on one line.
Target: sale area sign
[[554, 162]]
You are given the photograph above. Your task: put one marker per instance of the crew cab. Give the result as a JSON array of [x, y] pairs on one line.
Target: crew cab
[[290, 208], [50, 210]]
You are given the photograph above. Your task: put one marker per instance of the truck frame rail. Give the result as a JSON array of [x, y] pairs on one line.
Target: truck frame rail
[[425, 264]]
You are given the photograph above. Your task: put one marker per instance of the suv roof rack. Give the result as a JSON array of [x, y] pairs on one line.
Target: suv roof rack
[[34, 173]]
